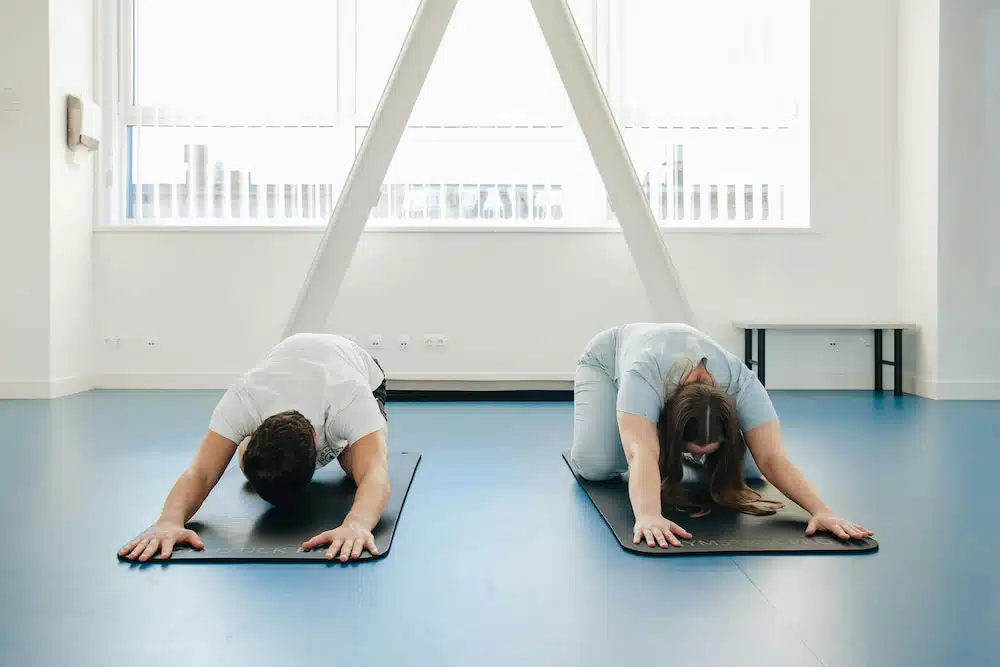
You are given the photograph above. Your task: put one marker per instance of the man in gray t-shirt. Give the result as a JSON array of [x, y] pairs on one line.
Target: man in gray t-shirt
[[625, 379]]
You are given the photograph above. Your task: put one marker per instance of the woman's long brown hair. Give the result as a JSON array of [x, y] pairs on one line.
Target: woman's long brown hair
[[723, 468]]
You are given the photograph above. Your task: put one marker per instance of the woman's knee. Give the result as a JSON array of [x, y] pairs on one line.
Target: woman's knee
[[597, 449], [599, 469]]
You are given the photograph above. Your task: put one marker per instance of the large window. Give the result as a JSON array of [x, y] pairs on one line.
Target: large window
[[712, 98], [251, 112]]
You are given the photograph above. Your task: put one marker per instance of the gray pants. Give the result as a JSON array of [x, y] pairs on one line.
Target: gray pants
[[597, 445]]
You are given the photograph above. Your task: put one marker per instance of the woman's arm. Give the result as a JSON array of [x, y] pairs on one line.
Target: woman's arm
[[642, 451], [768, 452]]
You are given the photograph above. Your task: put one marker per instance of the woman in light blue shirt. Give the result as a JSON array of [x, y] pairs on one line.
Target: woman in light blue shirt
[[650, 397]]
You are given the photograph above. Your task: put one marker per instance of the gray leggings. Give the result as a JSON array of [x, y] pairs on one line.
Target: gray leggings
[[597, 445]]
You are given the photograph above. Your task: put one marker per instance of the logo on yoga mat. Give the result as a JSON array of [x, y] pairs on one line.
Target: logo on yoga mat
[[694, 512], [777, 542]]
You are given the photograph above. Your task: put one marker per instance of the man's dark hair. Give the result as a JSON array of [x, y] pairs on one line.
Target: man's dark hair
[[280, 458]]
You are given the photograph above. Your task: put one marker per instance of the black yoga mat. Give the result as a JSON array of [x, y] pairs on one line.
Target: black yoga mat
[[721, 530], [237, 525]]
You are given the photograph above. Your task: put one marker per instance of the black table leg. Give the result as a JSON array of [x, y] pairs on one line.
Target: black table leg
[[760, 355], [748, 348], [897, 351], [878, 360]]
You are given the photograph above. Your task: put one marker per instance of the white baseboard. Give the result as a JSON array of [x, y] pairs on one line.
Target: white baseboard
[[918, 386], [70, 385], [823, 382], [967, 391], [912, 384], [403, 381], [164, 380], [952, 390], [45, 390], [24, 390], [481, 381], [480, 376]]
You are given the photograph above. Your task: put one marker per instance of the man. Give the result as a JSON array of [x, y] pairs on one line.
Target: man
[[314, 398]]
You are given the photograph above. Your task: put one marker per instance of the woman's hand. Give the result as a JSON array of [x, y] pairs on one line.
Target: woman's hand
[[832, 523], [658, 531]]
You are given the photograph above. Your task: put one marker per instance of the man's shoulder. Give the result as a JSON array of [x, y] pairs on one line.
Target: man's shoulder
[[318, 346], [309, 341], [237, 385]]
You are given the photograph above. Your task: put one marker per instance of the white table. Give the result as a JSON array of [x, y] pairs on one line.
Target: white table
[[876, 327]]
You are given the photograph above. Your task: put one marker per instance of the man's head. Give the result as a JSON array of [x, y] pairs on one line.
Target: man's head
[[280, 457]]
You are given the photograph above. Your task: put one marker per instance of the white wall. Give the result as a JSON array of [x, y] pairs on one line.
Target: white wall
[[24, 193], [969, 230], [46, 221], [72, 191], [522, 304], [919, 28], [950, 203]]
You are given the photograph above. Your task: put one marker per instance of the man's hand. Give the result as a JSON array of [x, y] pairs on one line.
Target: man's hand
[[832, 523], [349, 540], [184, 499], [658, 531], [160, 537]]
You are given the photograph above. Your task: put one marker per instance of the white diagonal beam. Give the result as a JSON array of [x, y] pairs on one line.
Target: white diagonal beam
[[641, 231], [361, 189]]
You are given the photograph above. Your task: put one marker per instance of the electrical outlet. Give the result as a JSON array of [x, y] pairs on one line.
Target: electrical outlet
[[403, 342], [375, 341], [435, 340], [152, 341]]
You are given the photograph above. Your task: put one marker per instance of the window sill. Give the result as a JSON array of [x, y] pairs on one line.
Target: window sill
[[463, 228]]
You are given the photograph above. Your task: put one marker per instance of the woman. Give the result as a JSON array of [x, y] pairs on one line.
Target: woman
[[651, 397]]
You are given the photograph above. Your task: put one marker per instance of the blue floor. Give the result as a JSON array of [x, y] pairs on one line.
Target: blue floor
[[499, 558]]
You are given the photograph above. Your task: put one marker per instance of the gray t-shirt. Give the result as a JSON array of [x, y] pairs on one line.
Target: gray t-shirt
[[649, 361]]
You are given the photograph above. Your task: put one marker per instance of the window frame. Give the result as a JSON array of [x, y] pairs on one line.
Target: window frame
[[115, 60]]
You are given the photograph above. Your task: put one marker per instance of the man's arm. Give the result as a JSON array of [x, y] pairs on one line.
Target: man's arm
[[184, 499], [768, 452], [194, 485], [366, 462]]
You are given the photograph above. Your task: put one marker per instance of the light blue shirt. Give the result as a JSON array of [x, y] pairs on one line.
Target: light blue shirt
[[649, 361]]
